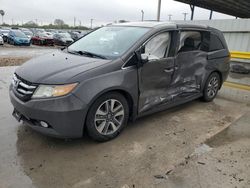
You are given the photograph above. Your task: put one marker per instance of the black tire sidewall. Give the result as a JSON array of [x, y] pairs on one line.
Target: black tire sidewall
[[205, 93], [91, 129]]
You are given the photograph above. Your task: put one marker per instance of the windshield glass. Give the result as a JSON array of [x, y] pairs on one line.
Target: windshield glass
[[43, 35], [4, 31], [110, 42], [19, 34]]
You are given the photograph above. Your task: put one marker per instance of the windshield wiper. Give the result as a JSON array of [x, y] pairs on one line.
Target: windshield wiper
[[89, 54]]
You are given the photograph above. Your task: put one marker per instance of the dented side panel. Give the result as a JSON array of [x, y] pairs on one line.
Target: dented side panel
[[190, 74], [154, 80], [158, 87]]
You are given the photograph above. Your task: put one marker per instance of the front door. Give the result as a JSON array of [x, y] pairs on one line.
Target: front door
[[155, 76]]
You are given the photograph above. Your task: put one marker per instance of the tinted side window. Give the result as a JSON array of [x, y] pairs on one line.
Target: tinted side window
[[205, 41], [157, 47], [215, 43]]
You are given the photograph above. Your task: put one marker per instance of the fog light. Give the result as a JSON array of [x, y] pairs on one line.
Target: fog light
[[44, 124]]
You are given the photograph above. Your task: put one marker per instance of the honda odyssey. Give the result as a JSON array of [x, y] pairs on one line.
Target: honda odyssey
[[118, 73]]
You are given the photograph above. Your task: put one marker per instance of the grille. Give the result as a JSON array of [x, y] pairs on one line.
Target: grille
[[22, 88]]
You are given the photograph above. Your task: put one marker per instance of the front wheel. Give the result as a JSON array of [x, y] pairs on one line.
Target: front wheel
[[212, 87], [107, 117]]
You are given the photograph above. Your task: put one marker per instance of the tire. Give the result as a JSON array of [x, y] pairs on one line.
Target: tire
[[212, 87], [104, 123]]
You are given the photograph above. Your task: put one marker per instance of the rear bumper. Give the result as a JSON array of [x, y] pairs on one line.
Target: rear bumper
[[65, 115]]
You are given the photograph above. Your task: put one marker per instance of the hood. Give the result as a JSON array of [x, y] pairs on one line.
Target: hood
[[57, 68]]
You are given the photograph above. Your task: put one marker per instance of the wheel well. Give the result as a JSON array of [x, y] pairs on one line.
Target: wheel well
[[127, 96]]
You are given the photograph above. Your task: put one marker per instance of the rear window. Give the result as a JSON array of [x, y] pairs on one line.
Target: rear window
[[215, 43]]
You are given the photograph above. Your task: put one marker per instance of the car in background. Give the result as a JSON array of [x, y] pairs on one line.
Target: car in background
[[1, 40], [36, 30], [4, 34], [17, 37], [74, 35], [42, 39], [62, 39], [85, 32], [50, 34], [28, 33]]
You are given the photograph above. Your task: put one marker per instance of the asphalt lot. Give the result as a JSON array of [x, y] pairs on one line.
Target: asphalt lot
[[194, 145]]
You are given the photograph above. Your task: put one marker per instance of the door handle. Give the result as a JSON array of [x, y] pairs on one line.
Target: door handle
[[169, 70]]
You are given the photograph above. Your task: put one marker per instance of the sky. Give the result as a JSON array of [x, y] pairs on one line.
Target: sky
[[101, 11]]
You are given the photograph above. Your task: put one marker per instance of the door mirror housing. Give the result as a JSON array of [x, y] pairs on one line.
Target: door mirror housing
[[144, 58]]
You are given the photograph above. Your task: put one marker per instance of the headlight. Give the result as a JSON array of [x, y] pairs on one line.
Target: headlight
[[45, 91]]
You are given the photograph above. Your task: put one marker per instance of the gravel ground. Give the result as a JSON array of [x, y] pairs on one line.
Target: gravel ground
[[12, 55]]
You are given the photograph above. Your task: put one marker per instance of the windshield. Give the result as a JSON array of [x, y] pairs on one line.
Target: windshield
[[4, 31], [110, 42], [43, 35], [19, 34]]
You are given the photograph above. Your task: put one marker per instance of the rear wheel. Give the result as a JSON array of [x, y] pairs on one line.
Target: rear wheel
[[107, 117], [212, 87]]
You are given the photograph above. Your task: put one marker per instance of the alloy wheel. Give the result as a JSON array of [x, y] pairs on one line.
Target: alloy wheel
[[109, 117], [213, 87]]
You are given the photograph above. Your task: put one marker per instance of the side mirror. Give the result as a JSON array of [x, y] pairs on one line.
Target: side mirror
[[144, 58]]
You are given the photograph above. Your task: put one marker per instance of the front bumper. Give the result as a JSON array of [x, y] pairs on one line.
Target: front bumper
[[26, 43], [65, 115]]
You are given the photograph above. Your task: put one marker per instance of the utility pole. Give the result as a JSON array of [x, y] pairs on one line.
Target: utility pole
[[142, 15], [91, 23], [159, 11], [185, 15], [80, 23], [170, 17], [74, 21]]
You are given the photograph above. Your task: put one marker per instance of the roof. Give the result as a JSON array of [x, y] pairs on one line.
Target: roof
[[149, 24], [155, 24], [239, 8]]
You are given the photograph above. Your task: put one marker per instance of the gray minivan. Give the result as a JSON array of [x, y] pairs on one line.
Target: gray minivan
[[119, 73]]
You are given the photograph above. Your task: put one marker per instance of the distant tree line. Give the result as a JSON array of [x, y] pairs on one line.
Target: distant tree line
[[58, 24]]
